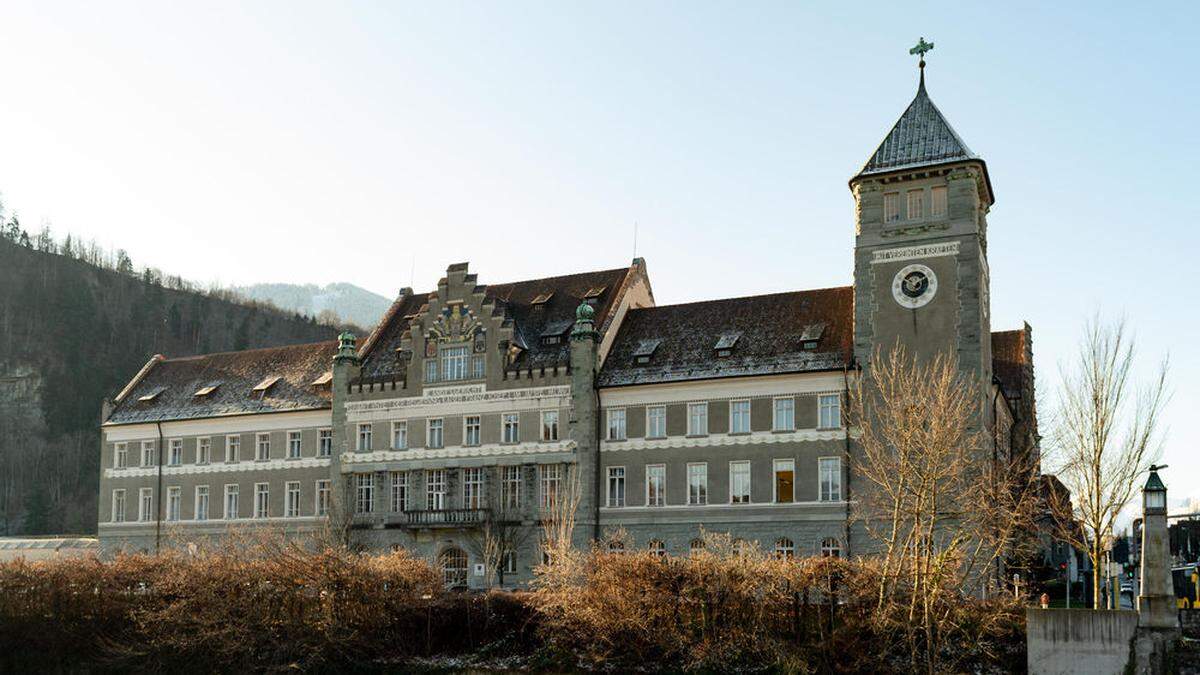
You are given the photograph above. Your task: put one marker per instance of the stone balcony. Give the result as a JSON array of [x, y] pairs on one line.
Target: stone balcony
[[422, 519]]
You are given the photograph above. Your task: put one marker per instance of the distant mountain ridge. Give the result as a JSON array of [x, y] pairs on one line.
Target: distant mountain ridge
[[348, 302]]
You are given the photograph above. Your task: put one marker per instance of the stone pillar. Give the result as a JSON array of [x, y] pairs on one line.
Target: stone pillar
[[1156, 603], [584, 424], [345, 369]]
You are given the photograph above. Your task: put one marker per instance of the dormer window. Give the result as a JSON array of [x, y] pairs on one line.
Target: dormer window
[[645, 350], [151, 395], [263, 387], [551, 340], [542, 299], [725, 344], [810, 337], [592, 297], [554, 331], [891, 207], [206, 390], [325, 379]]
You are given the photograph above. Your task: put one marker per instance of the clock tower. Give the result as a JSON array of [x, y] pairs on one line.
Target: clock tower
[[920, 257]]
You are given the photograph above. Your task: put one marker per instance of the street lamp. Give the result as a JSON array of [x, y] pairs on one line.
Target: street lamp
[[1154, 494]]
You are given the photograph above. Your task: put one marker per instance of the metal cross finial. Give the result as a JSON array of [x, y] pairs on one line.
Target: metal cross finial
[[921, 49]]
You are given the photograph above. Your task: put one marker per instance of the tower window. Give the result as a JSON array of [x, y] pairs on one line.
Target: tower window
[[916, 204], [891, 207], [937, 205]]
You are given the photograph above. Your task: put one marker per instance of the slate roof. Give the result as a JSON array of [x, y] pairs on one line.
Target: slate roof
[[1009, 361], [921, 137], [553, 316], [770, 327], [236, 374]]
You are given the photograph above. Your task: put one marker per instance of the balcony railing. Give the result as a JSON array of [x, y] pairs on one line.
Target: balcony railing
[[443, 517]]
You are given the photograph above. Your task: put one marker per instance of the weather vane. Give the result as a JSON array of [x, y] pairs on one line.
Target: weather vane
[[920, 50]]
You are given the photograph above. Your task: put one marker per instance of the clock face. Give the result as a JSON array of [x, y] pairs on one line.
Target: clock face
[[914, 286]]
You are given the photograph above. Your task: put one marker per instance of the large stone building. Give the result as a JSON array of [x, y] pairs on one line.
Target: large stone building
[[469, 410]]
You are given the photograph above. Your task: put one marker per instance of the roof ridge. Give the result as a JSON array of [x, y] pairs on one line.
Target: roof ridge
[[745, 297], [197, 357], [490, 286]]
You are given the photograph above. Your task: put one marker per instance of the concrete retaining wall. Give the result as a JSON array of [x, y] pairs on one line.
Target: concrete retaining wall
[[1065, 641]]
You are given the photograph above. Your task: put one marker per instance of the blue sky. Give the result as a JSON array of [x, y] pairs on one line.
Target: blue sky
[[378, 142]]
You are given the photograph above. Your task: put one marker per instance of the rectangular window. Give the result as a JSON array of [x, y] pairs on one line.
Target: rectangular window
[[616, 485], [400, 491], [477, 366], [785, 481], [739, 417], [549, 425], [916, 204], [829, 409], [203, 450], [175, 454], [294, 445], [739, 482], [145, 504], [511, 427], [325, 443], [656, 421], [262, 447], [291, 502], [551, 475], [784, 418], [174, 502], [201, 502], [471, 427], [510, 487], [430, 371], [616, 424], [233, 449], [120, 455], [891, 207], [697, 419], [472, 488], [433, 433], [830, 470], [324, 490], [937, 201], [454, 363], [697, 475], [399, 435], [148, 453], [231, 502], [262, 500], [435, 489], [364, 438], [656, 484], [364, 495], [510, 562], [118, 506]]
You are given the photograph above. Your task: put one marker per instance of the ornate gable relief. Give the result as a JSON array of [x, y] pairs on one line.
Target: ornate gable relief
[[458, 313]]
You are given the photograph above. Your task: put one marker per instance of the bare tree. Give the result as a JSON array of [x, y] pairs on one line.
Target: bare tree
[[944, 511], [1105, 432], [499, 535], [559, 514]]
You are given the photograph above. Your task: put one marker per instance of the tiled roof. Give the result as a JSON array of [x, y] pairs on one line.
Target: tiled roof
[[1009, 360], [770, 329], [921, 137], [234, 375], [379, 350]]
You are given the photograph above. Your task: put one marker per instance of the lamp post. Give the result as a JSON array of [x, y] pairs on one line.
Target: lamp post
[[1156, 602]]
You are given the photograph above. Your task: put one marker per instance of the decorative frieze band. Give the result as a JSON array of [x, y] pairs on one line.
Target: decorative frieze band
[[914, 252], [714, 440], [218, 467], [487, 450]]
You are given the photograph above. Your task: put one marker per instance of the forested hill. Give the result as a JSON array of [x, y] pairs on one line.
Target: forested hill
[[76, 324]]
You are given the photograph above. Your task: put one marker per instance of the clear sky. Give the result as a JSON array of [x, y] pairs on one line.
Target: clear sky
[[376, 143]]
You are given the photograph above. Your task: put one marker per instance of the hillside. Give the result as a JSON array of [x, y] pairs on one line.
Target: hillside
[[346, 302], [75, 325]]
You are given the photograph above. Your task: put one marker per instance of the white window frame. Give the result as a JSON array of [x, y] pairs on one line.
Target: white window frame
[[692, 418], [120, 455], [831, 547], [174, 503], [650, 430], [785, 548], [617, 493], [478, 367], [365, 435], [291, 499], [891, 207], [509, 562], [364, 492], [431, 371], [295, 444], [550, 431], [835, 491], [472, 487], [615, 426], [736, 414], [833, 403], [118, 498], [204, 450], [231, 490], [934, 192], [454, 362], [740, 463], [436, 490], [148, 458], [233, 448], [175, 452], [399, 434], [510, 487], [400, 494], [472, 430], [776, 423], [775, 467], [145, 504], [550, 477], [200, 508], [439, 424], [510, 421], [323, 490], [262, 500], [324, 442], [701, 497], [662, 488], [262, 447], [916, 197]]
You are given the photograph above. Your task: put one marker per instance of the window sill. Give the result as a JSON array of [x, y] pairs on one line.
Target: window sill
[[738, 433], [783, 431], [696, 436]]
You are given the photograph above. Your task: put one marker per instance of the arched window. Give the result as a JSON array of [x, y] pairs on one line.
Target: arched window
[[831, 548], [657, 548], [696, 546], [454, 567], [785, 548]]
